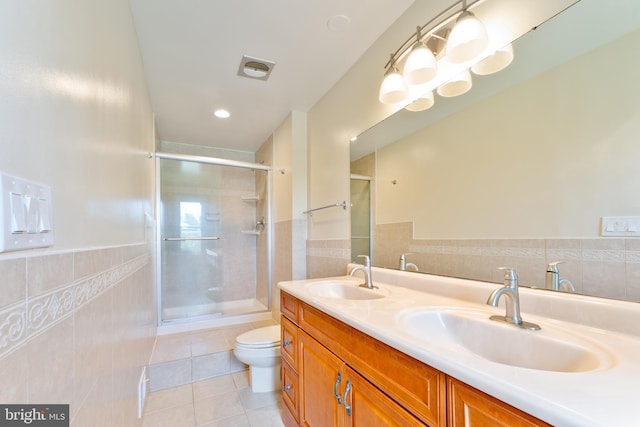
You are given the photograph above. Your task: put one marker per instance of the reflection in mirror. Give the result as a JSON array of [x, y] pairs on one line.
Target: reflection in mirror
[[520, 171], [360, 216]]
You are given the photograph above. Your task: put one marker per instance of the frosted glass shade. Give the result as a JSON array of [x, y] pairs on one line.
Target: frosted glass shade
[[456, 86], [467, 39], [423, 103], [495, 62], [420, 66], [393, 88]]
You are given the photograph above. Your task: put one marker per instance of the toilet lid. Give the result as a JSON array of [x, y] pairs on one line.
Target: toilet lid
[[262, 337]]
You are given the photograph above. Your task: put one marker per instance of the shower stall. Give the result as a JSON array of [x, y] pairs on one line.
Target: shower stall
[[213, 238]]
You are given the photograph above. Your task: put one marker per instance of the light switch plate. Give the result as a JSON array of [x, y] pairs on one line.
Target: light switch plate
[[25, 214], [620, 226]]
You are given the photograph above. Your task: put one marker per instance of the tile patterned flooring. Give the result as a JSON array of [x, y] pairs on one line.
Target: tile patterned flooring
[[224, 401]]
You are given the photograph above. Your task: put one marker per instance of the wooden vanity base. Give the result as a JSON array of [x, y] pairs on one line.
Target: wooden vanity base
[[335, 375]]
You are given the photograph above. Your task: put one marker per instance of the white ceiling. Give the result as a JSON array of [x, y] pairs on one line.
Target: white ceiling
[[192, 49]]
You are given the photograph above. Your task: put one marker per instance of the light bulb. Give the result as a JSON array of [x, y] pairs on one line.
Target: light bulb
[[495, 62], [425, 102], [393, 88], [456, 86], [420, 66], [467, 39]]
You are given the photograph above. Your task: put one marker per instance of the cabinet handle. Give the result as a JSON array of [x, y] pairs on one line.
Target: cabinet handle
[[346, 393], [287, 387], [335, 389], [286, 343]]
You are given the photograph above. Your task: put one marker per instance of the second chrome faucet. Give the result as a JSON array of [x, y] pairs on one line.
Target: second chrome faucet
[[511, 293]]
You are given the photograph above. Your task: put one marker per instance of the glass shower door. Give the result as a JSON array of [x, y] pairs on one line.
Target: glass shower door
[[210, 240], [360, 217]]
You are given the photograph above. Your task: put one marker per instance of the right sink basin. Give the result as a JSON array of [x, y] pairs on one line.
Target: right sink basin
[[549, 349]]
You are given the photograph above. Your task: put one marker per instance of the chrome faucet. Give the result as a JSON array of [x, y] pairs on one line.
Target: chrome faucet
[[553, 281], [366, 269], [510, 292], [404, 265]]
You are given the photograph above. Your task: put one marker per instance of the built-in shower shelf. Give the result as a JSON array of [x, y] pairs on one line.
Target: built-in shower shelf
[[251, 198], [251, 232]]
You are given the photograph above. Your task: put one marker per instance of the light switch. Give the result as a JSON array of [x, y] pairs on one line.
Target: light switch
[[44, 224], [620, 226], [25, 214], [18, 213], [32, 214]]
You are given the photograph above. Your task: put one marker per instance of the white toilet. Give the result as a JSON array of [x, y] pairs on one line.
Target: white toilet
[[260, 349]]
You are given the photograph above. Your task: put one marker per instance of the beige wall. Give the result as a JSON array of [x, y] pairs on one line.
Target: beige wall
[[289, 194], [349, 108], [77, 321], [546, 158]]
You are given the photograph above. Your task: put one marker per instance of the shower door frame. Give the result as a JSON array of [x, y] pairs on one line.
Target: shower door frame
[[215, 162]]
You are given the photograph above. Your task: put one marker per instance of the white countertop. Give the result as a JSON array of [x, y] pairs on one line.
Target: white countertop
[[602, 397]]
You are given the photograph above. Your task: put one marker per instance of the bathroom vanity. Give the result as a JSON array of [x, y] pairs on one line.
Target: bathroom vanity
[[424, 354]]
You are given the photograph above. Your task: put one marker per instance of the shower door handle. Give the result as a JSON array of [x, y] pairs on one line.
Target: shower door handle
[[180, 239]]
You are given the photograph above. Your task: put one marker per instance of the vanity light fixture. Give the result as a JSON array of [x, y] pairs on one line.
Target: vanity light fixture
[[394, 89], [459, 84], [421, 65], [439, 55], [467, 39]]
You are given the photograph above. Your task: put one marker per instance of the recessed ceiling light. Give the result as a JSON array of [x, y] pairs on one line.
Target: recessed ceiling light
[[222, 114], [338, 23]]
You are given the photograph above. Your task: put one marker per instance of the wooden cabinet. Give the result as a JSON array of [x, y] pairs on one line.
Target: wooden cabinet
[[335, 375], [336, 395], [322, 376], [471, 407]]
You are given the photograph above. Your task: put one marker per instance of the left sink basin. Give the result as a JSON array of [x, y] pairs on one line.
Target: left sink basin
[[345, 289]]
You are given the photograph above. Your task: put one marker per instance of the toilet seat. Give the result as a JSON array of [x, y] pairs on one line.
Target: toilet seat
[[266, 337]]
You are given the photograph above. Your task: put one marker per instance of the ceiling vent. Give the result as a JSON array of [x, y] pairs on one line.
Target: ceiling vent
[[255, 68]]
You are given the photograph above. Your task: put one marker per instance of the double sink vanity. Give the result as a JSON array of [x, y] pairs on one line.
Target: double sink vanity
[[424, 350]]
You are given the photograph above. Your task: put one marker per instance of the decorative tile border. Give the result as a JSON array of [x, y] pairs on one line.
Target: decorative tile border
[[329, 252], [488, 251], [22, 321]]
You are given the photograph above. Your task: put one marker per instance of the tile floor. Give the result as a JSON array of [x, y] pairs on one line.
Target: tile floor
[[200, 342], [224, 401]]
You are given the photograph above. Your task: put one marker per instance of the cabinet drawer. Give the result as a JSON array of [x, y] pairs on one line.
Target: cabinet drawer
[[469, 407], [289, 342], [290, 390], [414, 385], [289, 307]]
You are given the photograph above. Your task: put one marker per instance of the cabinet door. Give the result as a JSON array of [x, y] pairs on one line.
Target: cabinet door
[[289, 342], [471, 407], [366, 405], [320, 382]]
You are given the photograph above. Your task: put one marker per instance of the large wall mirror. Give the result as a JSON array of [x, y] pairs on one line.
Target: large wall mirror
[[520, 171]]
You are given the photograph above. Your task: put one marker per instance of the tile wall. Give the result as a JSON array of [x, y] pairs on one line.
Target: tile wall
[[77, 328], [604, 267], [327, 258]]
